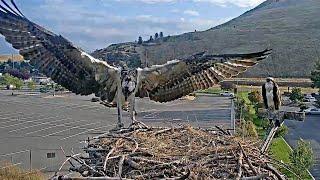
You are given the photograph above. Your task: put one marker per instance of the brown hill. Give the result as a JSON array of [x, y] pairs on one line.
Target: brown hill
[[290, 27]]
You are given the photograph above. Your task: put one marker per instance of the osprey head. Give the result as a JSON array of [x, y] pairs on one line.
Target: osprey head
[[268, 79], [128, 82]]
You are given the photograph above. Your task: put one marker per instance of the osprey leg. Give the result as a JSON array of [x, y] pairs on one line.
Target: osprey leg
[[119, 107], [132, 112], [132, 109]]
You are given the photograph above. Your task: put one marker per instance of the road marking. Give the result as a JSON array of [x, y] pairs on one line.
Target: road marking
[[68, 129], [64, 125], [39, 124], [22, 118], [13, 153], [24, 122], [87, 131]]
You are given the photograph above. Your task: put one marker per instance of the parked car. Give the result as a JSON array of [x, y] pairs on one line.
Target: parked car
[[309, 98], [10, 87], [227, 94], [95, 99], [312, 111]]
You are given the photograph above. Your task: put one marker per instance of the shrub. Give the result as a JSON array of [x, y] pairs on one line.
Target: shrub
[[296, 95], [282, 131], [8, 171], [227, 86], [242, 109], [256, 100], [251, 130], [31, 85], [302, 157]]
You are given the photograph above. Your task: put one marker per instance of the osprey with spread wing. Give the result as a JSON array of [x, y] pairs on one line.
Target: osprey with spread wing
[[82, 74]]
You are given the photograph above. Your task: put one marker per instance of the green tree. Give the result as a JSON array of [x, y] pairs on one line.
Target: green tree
[[242, 110], [161, 34], [302, 157], [10, 80], [315, 75], [255, 98], [296, 94], [31, 85], [140, 41]]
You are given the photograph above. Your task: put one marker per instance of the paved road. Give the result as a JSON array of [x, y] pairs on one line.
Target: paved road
[[308, 130], [43, 124]]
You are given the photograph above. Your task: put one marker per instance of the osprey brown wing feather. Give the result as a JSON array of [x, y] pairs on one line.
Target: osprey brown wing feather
[[56, 57], [197, 72]]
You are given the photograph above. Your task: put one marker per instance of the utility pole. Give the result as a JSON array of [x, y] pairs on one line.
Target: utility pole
[[12, 61], [146, 60]]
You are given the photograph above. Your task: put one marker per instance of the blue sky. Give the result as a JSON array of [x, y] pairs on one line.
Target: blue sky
[[95, 24]]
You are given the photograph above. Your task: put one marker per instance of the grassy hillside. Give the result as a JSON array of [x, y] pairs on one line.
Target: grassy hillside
[[290, 27]]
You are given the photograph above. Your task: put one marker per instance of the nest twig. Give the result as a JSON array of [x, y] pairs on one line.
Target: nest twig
[[174, 153]]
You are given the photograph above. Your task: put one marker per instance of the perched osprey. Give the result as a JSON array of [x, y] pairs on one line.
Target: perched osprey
[[271, 94], [82, 74], [271, 98]]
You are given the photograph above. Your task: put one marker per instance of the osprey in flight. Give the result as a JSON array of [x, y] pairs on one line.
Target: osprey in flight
[[82, 74]]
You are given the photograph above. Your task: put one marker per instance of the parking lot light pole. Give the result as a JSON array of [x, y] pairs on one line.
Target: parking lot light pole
[[232, 118], [30, 160]]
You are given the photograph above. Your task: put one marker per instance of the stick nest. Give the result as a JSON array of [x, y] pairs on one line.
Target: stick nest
[[174, 153]]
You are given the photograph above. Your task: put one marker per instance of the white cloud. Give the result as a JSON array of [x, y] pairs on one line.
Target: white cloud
[[191, 13], [240, 3], [152, 1]]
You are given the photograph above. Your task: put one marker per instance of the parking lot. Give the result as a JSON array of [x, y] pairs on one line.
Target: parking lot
[[36, 130]]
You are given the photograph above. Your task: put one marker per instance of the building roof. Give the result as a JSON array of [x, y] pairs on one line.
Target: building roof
[[16, 57]]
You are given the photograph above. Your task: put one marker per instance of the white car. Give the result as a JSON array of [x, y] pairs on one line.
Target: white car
[[310, 99], [226, 93], [312, 111]]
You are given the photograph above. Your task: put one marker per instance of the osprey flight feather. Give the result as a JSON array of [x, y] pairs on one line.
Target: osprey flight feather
[[83, 74]]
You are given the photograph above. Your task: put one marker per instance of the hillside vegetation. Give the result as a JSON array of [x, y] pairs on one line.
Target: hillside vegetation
[[290, 27]]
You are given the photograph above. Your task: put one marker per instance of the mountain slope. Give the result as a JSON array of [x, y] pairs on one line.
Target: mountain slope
[[290, 27]]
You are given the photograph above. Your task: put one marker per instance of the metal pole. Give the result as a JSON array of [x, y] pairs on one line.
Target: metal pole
[[30, 160], [12, 61], [241, 122], [233, 124]]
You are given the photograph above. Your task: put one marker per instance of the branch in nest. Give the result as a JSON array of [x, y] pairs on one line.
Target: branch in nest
[[258, 177], [247, 159], [239, 174]]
